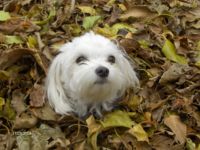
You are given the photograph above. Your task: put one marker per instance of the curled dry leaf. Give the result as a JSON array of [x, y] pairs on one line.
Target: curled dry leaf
[[173, 73], [9, 57], [177, 127]]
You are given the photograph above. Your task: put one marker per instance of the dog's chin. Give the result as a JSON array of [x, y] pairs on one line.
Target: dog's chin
[[101, 81]]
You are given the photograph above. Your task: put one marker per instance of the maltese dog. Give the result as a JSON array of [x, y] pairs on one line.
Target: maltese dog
[[88, 76]]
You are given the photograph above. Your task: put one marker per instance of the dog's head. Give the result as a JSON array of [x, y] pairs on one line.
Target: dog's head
[[92, 69]]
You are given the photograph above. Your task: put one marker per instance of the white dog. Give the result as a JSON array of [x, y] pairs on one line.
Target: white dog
[[88, 76]]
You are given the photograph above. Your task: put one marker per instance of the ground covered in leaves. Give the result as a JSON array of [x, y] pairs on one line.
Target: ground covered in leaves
[[161, 36]]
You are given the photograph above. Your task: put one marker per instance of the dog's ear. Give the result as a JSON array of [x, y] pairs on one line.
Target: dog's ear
[[127, 66], [54, 88]]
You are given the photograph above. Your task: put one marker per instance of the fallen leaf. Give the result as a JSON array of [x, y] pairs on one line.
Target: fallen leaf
[[137, 12], [134, 102], [4, 75], [138, 132], [114, 29], [7, 141], [173, 73], [37, 96], [51, 15], [15, 54], [18, 101], [24, 141], [190, 144], [16, 25], [94, 128], [12, 39], [2, 103], [118, 26], [177, 127], [93, 140], [25, 121], [4, 16], [169, 51], [32, 42], [87, 9], [40, 136], [8, 111], [89, 22], [45, 113], [117, 119]]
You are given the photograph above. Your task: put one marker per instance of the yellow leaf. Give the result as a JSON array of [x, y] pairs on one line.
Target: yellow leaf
[[117, 119], [87, 9], [169, 51], [138, 132], [2, 103], [32, 42], [93, 126], [8, 111]]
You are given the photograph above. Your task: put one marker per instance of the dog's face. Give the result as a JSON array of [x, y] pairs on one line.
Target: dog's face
[[92, 69]]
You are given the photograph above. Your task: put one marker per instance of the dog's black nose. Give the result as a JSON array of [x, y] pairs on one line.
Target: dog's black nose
[[102, 72]]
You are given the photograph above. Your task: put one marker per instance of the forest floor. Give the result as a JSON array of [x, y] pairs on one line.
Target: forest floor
[[162, 37]]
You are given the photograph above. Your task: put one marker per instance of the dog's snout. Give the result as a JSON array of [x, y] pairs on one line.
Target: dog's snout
[[102, 72]]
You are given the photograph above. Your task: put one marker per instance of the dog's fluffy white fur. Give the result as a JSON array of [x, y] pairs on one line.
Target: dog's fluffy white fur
[[88, 76]]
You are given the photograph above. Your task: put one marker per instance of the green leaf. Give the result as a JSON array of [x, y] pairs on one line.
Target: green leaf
[[117, 119], [4, 16], [89, 22], [169, 51], [12, 39], [138, 132], [190, 144], [87, 9]]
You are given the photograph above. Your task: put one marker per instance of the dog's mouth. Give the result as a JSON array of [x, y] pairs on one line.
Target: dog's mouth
[[101, 81]]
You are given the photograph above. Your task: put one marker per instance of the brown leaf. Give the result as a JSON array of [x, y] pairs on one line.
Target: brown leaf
[[173, 73], [137, 12], [9, 57], [18, 101], [45, 113], [25, 121], [18, 24], [37, 96], [178, 128], [162, 142], [7, 141], [129, 45]]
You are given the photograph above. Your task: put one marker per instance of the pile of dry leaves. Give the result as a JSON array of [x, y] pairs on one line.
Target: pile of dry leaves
[[161, 36]]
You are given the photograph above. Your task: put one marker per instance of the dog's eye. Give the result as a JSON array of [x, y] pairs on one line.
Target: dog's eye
[[81, 59], [111, 59]]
